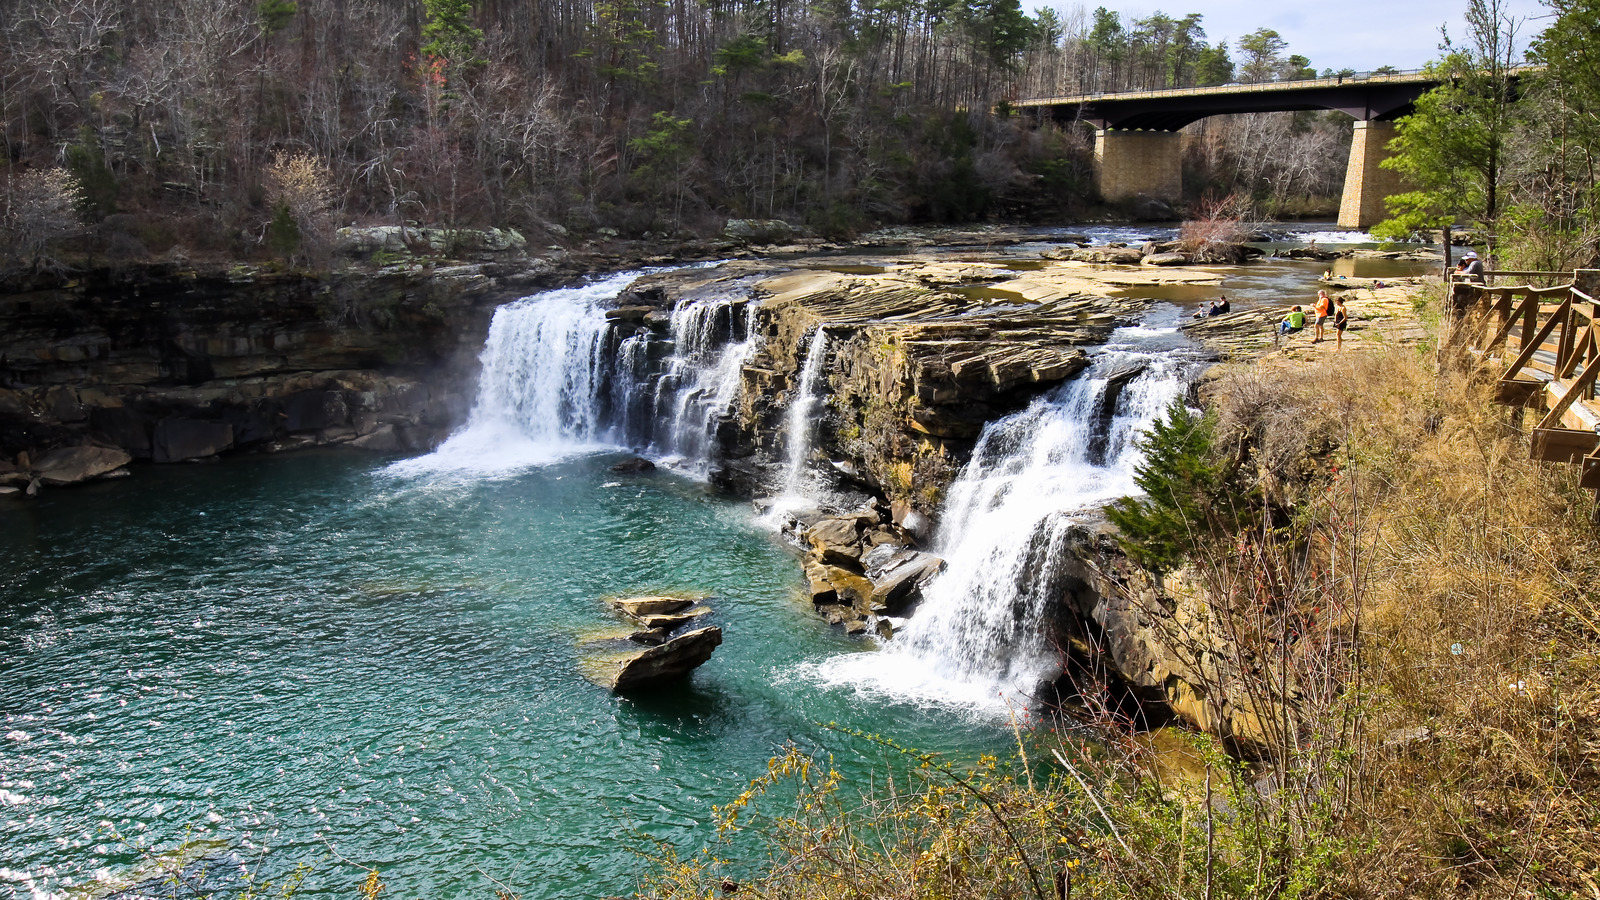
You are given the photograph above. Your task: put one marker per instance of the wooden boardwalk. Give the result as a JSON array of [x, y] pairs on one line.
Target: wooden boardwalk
[[1546, 341]]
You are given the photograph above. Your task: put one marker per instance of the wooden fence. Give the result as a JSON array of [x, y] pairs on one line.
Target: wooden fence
[[1548, 341]]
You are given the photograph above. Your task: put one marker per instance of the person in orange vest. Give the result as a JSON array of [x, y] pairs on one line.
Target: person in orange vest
[[1323, 308]]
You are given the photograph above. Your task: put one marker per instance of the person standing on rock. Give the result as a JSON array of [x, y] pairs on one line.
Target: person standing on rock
[[1341, 318], [1321, 310]]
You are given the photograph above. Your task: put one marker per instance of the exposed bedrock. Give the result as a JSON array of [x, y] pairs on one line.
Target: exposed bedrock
[[168, 364], [1158, 642], [917, 363]]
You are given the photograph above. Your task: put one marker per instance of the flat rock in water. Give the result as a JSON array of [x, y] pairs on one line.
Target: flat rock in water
[[651, 606], [74, 464], [672, 660], [670, 621]]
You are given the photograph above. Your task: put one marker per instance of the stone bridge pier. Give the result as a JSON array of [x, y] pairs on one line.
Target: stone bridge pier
[[1366, 183], [1128, 164]]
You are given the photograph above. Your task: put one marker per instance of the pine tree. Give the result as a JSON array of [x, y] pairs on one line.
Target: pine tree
[[1192, 493]]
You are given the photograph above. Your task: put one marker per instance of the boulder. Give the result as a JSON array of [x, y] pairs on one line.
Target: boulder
[[178, 439], [651, 606], [898, 577], [836, 542], [667, 662], [382, 440], [821, 589], [1165, 259], [634, 466], [74, 464]]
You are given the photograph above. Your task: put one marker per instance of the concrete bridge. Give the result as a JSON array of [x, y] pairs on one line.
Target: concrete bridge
[[1137, 149]]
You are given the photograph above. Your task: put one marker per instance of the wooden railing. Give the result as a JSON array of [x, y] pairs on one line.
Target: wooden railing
[[1548, 341]]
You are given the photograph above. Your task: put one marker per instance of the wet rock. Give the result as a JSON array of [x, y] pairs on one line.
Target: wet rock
[[10, 474], [634, 466], [71, 465], [898, 577], [651, 606], [1305, 253], [383, 439], [836, 542], [653, 637], [668, 662], [177, 439]]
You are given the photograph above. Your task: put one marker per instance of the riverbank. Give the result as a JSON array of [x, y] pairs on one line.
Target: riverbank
[[1397, 595]]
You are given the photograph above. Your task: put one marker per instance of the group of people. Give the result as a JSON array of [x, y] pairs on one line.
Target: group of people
[[1326, 308], [1214, 308]]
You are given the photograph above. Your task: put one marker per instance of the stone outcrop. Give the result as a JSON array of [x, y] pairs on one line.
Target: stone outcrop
[[861, 568], [667, 662], [168, 364], [1161, 640]]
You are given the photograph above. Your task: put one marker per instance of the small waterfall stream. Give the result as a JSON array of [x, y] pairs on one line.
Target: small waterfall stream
[[799, 422], [980, 634]]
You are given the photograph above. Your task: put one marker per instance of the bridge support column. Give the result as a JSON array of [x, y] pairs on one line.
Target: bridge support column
[[1366, 184], [1129, 163]]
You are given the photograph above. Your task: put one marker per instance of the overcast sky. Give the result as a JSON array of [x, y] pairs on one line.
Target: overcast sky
[[1354, 34]]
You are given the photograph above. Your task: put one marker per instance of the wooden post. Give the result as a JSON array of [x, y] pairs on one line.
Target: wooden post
[[1447, 253]]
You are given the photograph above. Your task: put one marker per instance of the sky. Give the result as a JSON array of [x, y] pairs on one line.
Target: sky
[[1353, 34]]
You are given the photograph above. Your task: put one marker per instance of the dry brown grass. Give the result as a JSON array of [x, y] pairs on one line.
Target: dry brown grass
[[1476, 569]]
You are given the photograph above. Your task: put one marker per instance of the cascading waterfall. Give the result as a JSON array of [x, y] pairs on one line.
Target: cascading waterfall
[[980, 633], [559, 379], [799, 424], [705, 373]]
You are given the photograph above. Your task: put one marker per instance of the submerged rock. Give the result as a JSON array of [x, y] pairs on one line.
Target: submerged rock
[[667, 662], [634, 466]]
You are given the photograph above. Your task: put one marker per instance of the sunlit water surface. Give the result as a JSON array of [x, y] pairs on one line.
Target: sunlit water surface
[[315, 655]]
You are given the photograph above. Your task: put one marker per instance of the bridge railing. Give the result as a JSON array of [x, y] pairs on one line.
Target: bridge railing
[[1399, 76], [1547, 343]]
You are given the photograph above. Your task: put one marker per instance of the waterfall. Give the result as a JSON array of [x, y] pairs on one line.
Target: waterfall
[[560, 379], [705, 374], [981, 632], [799, 421]]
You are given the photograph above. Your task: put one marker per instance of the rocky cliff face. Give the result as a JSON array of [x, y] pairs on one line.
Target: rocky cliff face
[[168, 364], [916, 364]]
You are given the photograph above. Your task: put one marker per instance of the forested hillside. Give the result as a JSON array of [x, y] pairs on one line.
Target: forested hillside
[[195, 124]]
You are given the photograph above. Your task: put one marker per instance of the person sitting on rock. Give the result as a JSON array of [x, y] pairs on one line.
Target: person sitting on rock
[[1220, 307], [1294, 321]]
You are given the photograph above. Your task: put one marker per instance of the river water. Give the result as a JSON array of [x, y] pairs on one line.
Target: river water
[[346, 661], [311, 654]]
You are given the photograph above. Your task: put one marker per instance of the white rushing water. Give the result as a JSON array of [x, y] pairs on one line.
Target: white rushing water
[[559, 379], [799, 424], [705, 373], [543, 369], [980, 636]]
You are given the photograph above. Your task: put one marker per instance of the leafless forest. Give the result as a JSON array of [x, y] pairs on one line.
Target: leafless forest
[[189, 123]]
